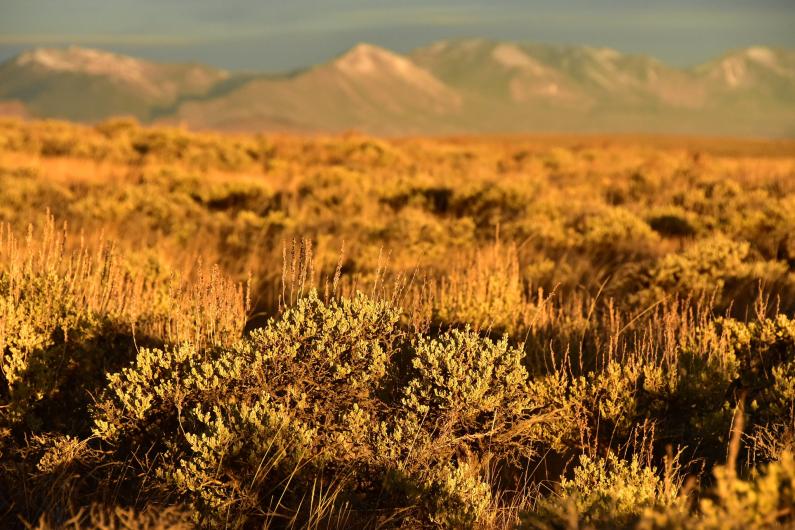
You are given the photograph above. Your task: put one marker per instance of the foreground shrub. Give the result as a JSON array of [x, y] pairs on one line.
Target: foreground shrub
[[241, 427], [68, 313], [465, 408], [765, 502], [611, 493], [326, 391], [459, 497], [463, 383], [605, 493]]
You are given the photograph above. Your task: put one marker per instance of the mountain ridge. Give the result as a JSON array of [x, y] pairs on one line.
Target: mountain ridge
[[453, 86]]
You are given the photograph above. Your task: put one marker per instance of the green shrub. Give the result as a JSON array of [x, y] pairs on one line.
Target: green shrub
[[765, 502], [464, 387], [241, 427], [710, 266], [577, 410], [604, 493], [459, 498], [48, 339]]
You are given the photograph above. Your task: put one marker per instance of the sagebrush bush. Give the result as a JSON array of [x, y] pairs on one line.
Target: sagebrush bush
[[317, 392], [607, 493], [66, 315], [465, 395], [616, 232], [709, 267], [459, 498], [764, 502], [257, 412]]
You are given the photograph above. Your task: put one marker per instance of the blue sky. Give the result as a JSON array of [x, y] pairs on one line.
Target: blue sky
[[287, 34]]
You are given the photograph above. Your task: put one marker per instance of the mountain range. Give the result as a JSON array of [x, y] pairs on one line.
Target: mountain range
[[450, 87]]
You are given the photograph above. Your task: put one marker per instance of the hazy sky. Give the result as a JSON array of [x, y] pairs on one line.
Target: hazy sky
[[286, 34]]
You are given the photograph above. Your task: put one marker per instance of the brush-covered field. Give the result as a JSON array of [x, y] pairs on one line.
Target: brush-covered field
[[212, 331]]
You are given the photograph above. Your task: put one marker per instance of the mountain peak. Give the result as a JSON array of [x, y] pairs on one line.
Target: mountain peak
[[743, 67], [778, 61], [512, 56], [121, 77], [602, 55], [761, 54], [367, 59], [369, 63], [77, 59]]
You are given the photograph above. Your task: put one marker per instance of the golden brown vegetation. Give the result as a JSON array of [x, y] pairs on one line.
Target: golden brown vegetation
[[345, 332]]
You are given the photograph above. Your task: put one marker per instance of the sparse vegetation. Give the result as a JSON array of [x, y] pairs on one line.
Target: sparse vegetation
[[212, 331]]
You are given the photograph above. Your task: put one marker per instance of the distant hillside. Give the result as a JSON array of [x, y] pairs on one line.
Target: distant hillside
[[537, 87], [458, 86], [368, 88], [85, 85]]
